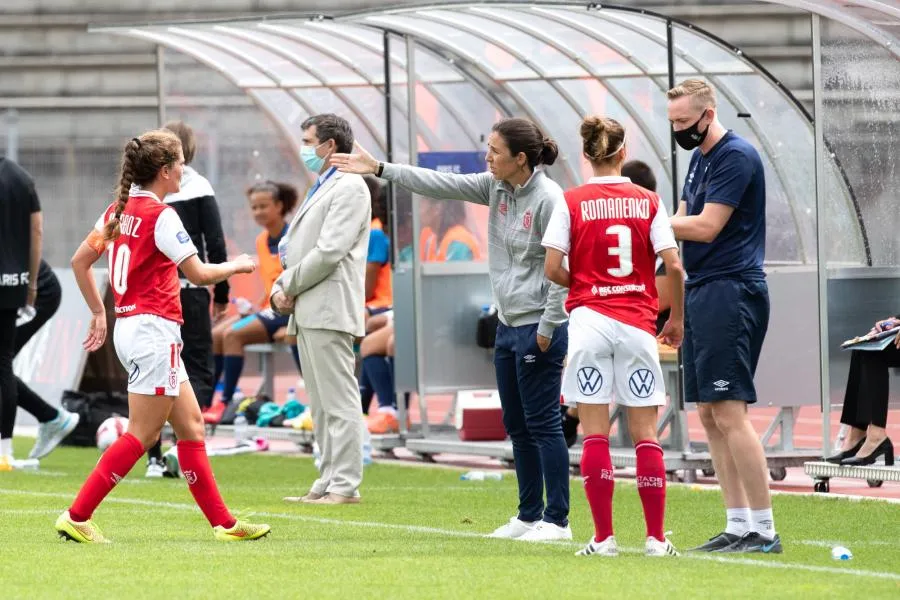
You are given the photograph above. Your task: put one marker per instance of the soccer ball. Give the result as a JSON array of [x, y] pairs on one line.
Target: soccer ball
[[110, 430]]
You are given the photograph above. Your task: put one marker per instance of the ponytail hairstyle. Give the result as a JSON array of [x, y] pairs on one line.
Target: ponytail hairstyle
[[287, 195], [142, 161], [521, 135], [602, 139]]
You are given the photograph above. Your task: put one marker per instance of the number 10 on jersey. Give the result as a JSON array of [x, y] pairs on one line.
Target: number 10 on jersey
[[119, 259]]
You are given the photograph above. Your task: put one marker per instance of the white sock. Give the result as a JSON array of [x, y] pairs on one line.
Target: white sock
[[6, 447], [388, 409], [737, 521], [763, 523]]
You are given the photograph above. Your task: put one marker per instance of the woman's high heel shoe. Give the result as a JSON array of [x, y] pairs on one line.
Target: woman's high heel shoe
[[885, 449], [849, 453]]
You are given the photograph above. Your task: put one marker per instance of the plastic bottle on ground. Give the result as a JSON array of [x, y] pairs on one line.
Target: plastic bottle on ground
[[481, 476]]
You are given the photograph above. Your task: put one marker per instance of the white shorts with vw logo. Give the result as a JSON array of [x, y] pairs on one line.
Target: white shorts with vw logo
[[149, 347], [609, 359]]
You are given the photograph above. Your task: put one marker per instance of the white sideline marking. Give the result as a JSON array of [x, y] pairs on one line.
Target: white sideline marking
[[470, 534]]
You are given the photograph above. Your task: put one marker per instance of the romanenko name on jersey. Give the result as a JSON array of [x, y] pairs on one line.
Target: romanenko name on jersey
[[615, 208]]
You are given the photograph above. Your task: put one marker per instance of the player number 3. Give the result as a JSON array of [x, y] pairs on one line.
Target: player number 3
[[622, 250]]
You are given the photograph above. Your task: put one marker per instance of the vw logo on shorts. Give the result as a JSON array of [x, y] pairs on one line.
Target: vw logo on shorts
[[642, 383], [589, 380], [132, 377]]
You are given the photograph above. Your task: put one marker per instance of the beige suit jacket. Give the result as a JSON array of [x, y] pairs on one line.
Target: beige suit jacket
[[327, 243]]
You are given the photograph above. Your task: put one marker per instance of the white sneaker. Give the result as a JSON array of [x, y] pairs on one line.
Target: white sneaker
[[50, 434], [155, 469], [547, 532], [170, 460], [513, 530], [654, 547], [607, 547], [25, 464]]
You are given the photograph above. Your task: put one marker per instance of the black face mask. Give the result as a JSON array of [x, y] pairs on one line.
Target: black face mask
[[691, 137]]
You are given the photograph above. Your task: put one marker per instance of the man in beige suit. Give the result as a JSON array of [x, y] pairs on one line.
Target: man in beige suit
[[323, 289]]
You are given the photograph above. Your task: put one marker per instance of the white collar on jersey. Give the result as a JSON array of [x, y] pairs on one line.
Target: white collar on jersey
[[137, 190], [607, 179]]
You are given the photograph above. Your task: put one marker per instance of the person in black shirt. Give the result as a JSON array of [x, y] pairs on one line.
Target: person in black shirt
[[196, 206], [21, 233], [55, 423]]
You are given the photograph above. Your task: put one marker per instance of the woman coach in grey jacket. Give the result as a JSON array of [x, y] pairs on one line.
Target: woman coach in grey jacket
[[532, 338]]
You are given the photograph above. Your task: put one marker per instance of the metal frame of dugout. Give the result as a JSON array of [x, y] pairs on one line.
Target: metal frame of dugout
[[825, 213]]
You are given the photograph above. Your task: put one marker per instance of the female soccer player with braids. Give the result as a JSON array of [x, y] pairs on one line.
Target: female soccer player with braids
[[147, 243]]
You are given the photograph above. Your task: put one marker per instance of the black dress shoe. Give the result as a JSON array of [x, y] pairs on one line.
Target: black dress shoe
[[837, 458], [885, 449]]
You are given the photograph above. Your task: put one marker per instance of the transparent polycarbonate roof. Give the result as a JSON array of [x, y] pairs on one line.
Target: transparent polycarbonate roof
[[553, 63]]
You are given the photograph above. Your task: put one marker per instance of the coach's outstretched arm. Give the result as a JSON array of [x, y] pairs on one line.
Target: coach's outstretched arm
[[427, 182]]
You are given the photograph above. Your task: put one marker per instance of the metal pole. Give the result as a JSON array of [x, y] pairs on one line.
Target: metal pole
[[821, 242], [161, 85], [389, 147], [417, 228], [673, 147], [680, 414]]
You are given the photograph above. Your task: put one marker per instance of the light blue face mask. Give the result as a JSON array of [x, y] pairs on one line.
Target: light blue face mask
[[313, 161]]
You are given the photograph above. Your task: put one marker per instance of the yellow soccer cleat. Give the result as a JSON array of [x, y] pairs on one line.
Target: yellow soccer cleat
[[5, 463], [242, 531], [84, 533]]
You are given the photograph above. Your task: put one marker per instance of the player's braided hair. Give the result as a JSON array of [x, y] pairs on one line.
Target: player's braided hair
[[142, 160], [602, 138]]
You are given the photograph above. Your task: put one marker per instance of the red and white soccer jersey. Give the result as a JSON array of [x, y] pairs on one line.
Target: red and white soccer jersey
[[143, 273], [611, 231], [144, 259]]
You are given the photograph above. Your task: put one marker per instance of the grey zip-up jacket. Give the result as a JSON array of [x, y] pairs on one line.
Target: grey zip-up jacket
[[516, 225]]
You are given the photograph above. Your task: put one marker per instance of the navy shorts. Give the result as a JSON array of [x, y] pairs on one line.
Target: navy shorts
[[724, 328], [269, 319]]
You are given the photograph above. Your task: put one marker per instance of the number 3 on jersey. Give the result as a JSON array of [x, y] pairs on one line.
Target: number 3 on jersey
[[622, 250], [118, 267]]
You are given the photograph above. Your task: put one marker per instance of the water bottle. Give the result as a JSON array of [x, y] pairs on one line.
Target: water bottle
[[292, 395], [481, 476], [841, 553], [240, 428], [367, 446], [237, 397]]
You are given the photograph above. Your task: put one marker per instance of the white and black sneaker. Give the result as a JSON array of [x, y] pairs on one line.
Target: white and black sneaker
[[513, 530], [654, 547], [154, 469], [607, 547], [170, 462]]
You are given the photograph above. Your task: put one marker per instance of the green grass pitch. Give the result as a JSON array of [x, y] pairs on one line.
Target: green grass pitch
[[417, 534]]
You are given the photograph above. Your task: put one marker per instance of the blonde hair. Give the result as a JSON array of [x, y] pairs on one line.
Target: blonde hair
[[602, 138], [142, 160], [701, 94]]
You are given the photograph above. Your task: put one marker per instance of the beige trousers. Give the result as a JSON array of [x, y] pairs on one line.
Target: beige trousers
[[328, 362]]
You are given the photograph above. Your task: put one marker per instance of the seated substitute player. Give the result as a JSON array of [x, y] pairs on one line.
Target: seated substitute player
[[147, 243], [612, 230]]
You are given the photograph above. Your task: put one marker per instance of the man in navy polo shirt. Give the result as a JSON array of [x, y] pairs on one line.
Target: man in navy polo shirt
[[722, 220]]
